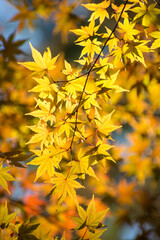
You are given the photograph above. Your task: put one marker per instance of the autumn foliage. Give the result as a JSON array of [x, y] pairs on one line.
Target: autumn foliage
[[80, 139]]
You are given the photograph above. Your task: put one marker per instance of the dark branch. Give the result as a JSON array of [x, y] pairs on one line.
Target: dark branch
[[157, 2]]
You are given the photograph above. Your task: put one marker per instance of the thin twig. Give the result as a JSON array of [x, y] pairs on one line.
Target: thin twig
[[84, 234], [157, 2], [67, 81]]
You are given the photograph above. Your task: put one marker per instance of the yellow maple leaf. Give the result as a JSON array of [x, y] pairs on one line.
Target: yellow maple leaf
[[42, 134], [41, 63], [118, 10], [91, 100], [118, 53], [89, 219], [47, 161], [68, 71], [156, 43], [45, 87], [127, 29], [99, 10], [81, 166], [148, 14], [108, 77], [5, 176], [6, 218], [66, 128], [104, 125], [95, 235], [65, 185], [86, 31], [72, 87], [134, 50], [113, 41], [90, 48], [45, 112]]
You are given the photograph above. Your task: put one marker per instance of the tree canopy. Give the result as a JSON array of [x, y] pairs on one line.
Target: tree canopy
[[80, 137]]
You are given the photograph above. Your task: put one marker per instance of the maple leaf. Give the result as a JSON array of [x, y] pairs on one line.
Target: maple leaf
[[69, 107], [48, 161], [65, 19], [90, 218], [45, 112], [5, 218], [86, 32], [127, 29], [108, 77], [14, 158], [10, 47], [65, 185], [81, 166], [45, 87], [91, 91], [99, 10], [68, 71], [25, 230], [95, 235], [102, 67], [104, 127], [112, 42], [73, 87], [42, 134], [91, 87], [148, 14], [23, 16], [118, 9], [99, 154], [91, 100], [41, 63], [5, 176], [90, 47], [118, 53], [66, 127], [134, 50], [156, 43]]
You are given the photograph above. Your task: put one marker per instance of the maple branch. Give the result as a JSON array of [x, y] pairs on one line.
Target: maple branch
[[84, 233], [49, 76], [3, 161], [157, 2], [76, 111], [71, 79], [88, 74]]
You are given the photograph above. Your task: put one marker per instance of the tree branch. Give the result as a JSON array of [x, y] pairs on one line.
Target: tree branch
[[88, 74], [157, 2]]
